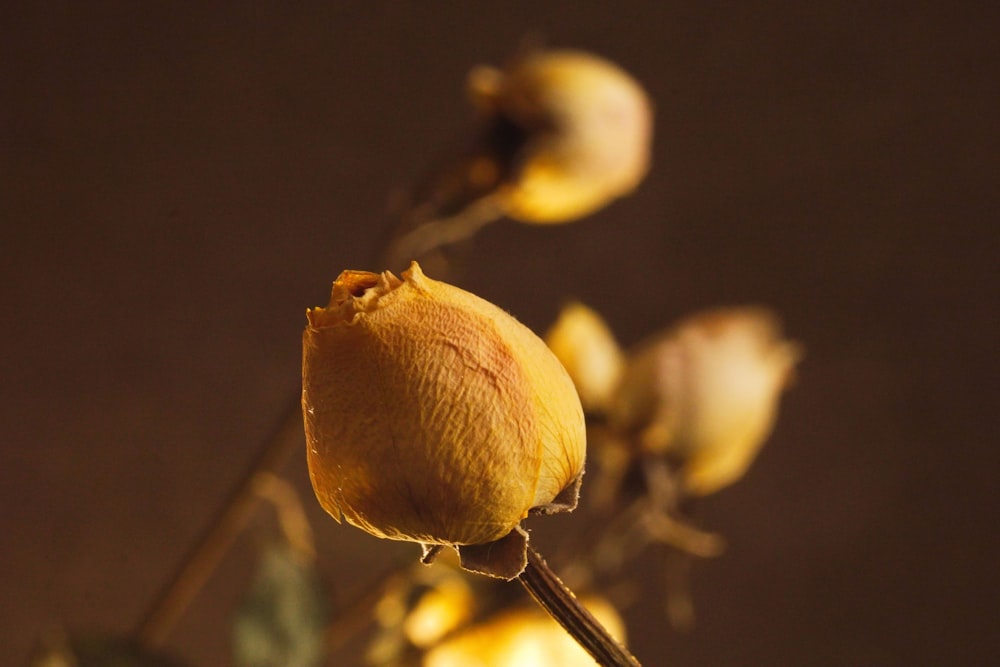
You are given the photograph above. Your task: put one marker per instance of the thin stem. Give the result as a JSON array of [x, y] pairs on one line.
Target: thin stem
[[558, 600], [290, 513], [437, 233], [220, 533]]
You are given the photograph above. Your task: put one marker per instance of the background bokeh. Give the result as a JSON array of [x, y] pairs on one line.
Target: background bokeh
[[178, 183]]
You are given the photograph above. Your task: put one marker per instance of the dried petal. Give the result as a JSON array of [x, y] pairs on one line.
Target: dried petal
[[431, 415]]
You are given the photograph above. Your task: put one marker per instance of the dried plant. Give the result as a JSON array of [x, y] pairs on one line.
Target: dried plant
[[433, 416]]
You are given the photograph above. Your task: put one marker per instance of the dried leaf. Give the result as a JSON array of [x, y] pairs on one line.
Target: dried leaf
[[504, 558]]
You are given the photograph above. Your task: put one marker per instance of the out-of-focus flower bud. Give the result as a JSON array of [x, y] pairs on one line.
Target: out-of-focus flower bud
[[588, 350], [706, 393], [433, 416], [560, 134], [522, 638], [419, 608], [587, 128], [439, 611]]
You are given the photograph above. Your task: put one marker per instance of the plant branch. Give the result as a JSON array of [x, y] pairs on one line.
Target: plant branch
[[558, 600], [290, 512], [220, 533]]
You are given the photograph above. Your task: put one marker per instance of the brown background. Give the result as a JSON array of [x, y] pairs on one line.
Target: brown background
[[178, 184]]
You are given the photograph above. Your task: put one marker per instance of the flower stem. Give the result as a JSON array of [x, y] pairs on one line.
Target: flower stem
[[558, 600]]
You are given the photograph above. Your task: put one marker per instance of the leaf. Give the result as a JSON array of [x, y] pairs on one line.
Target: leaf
[[284, 614]]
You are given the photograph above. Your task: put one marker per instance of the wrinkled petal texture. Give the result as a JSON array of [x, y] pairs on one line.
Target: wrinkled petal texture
[[432, 415]]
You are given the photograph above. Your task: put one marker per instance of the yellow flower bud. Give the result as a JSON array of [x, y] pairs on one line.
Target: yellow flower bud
[[523, 637], [584, 344], [433, 416], [706, 393], [560, 135], [439, 611], [419, 607], [588, 128]]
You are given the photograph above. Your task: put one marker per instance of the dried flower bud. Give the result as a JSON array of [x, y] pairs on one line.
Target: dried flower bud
[[560, 135], [587, 125], [433, 416], [522, 637], [707, 393], [588, 350], [439, 611]]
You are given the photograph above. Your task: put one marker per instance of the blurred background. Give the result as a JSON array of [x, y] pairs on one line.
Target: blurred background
[[178, 184]]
